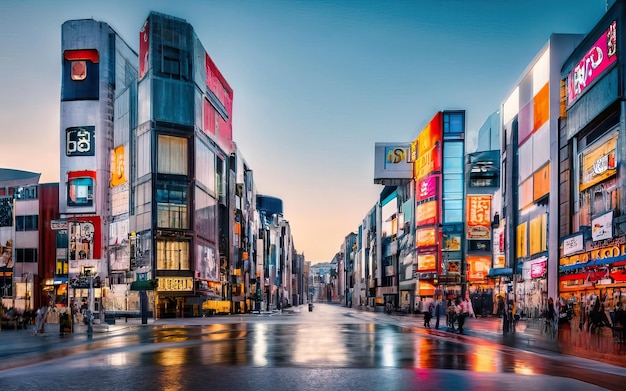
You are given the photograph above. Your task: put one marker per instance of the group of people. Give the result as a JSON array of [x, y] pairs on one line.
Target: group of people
[[455, 310]]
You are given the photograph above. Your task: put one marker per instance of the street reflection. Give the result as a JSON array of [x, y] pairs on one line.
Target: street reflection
[[259, 345], [484, 359]]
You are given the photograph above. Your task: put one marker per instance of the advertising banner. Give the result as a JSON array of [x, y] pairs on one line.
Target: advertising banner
[[594, 63], [426, 213], [392, 161], [598, 162], [119, 159], [425, 150], [602, 227], [478, 267], [573, 244], [538, 267], [479, 217], [427, 262], [144, 49], [426, 237], [426, 188]]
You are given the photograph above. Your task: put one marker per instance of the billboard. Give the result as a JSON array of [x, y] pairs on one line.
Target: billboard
[[218, 106], [119, 162], [426, 188], [426, 213], [426, 148], [601, 55], [479, 217], [392, 162], [598, 162], [478, 267]]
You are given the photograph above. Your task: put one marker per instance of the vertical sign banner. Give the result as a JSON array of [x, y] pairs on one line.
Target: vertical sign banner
[[118, 165], [479, 217], [144, 49]]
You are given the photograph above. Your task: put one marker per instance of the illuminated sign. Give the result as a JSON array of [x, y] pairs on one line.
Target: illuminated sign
[[479, 217], [168, 284], [427, 262], [118, 164], [426, 213], [425, 148], [426, 188], [594, 63], [478, 267], [426, 237], [598, 162]]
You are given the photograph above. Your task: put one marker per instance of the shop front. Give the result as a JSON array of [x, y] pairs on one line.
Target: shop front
[[532, 288], [597, 270]]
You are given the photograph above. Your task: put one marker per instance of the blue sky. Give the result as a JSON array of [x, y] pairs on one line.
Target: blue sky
[[316, 83]]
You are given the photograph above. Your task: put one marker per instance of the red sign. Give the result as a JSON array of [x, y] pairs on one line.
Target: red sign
[[144, 50]]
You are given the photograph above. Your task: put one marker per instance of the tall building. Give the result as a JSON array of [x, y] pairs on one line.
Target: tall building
[[531, 172], [98, 113], [180, 201], [592, 223]]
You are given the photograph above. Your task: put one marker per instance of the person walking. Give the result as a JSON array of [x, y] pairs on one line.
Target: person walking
[[438, 308], [502, 314]]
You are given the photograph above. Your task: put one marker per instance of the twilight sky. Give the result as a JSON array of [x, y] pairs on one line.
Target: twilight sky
[[316, 83]]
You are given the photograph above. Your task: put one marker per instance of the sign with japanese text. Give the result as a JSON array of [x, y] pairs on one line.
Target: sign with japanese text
[[479, 217], [79, 141], [426, 188]]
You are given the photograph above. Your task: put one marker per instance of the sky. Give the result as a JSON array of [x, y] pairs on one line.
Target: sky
[[316, 84]]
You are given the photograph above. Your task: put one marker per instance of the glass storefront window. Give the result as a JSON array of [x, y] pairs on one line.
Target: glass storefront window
[[172, 205], [172, 255]]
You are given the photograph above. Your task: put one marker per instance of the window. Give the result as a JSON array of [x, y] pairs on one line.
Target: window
[[81, 75], [205, 166], [453, 211], [205, 219], [172, 205], [26, 223], [172, 155], [454, 122], [26, 255], [171, 61], [172, 255], [80, 191]]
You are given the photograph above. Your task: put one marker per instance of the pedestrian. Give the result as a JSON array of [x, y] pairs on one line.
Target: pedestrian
[[428, 315], [38, 322], [502, 314], [438, 307], [462, 313]]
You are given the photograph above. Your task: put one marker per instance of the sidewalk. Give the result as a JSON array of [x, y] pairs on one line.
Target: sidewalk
[[570, 341]]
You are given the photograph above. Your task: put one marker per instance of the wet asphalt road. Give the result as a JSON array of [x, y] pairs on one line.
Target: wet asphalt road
[[331, 348]]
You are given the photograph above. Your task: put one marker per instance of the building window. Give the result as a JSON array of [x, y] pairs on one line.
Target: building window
[[453, 122], [80, 191], [172, 155], [81, 75], [172, 205], [26, 255], [26, 223], [172, 255]]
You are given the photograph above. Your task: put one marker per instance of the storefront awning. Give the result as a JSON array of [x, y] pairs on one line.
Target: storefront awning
[[573, 277], [597, 262], [500, 271]]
